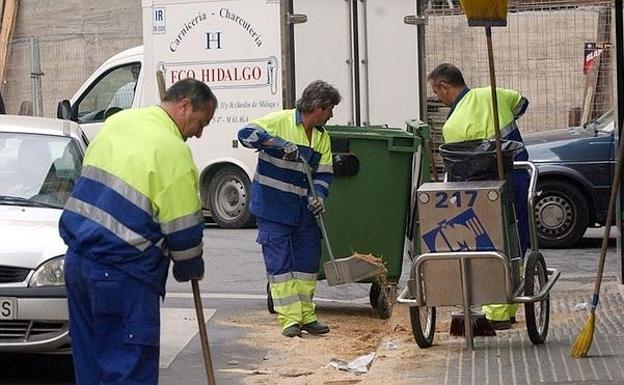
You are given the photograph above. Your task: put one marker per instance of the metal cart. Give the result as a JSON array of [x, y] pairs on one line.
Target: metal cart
[[472, 257]]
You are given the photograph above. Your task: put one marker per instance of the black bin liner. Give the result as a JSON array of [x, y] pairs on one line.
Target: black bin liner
[[476, 159]]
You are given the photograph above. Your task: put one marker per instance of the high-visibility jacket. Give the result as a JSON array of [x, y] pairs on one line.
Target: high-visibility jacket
[[280, 186], [471, 117], [137, 195]]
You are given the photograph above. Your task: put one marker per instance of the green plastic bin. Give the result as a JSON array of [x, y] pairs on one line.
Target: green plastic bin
[[368, 211]]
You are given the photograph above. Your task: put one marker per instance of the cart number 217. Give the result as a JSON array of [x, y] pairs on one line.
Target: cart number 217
[[445, 200]]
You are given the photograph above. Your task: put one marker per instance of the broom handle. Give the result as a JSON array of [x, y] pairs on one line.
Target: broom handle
[[199, 311], [203, 334], [610, 212], [319, 217], [497, 134]]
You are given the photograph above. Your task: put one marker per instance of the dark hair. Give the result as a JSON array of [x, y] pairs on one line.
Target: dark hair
[[197, 92], [447, 73], [318, 94]]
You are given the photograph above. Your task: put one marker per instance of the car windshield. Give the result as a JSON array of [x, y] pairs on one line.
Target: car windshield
[[37, 170]]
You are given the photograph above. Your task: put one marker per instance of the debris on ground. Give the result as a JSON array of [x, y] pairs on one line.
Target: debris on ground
[[360, 365]]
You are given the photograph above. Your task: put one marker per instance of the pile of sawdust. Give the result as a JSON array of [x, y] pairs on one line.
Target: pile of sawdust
[[354, 332]]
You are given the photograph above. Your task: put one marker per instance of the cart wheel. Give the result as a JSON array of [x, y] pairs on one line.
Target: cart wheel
[[423, 321], [269, 299], [537, 313], [382, 299]]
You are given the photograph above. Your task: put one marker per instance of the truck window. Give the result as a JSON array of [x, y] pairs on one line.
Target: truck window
[[112, 92]]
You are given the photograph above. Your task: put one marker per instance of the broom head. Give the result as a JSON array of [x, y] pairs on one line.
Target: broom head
[[584, 340], [485, 13]]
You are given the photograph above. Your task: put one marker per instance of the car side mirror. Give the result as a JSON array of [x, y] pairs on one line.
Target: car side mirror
[[64, 110]]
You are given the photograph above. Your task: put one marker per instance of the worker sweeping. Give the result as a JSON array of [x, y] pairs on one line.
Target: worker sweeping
[[284, 208], [136, 202], [471, 118]]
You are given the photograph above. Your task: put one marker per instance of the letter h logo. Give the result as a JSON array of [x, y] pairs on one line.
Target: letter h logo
[[213, 40]]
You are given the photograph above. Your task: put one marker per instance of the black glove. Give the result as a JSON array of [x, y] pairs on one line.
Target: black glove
[[188, 269]]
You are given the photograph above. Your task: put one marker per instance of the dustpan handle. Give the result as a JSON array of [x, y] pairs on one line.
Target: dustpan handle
[[319, 216]]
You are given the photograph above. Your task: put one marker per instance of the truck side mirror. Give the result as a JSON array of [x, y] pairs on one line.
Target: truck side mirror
[[63, 110]]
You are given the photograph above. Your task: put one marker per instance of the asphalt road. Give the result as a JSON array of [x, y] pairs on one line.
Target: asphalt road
[[234, 285]]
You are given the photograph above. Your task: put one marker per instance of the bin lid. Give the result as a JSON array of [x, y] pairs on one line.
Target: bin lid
[[398, 139]]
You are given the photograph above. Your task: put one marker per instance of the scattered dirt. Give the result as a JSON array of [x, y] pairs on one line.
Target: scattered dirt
[[354, 332]]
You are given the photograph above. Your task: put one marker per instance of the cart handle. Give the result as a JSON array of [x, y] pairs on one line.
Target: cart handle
[[533, 171]]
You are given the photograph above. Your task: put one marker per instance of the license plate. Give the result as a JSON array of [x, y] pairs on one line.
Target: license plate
[[8, 308]]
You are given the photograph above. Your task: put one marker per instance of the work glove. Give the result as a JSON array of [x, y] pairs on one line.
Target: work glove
[[291, 151], [188, 269], [316, 205]]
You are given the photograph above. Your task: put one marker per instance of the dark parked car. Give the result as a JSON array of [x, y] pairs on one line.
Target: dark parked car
[[575, 173]]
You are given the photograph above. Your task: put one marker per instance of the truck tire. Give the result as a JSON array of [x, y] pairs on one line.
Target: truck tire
[[229, 196], [561, 214]]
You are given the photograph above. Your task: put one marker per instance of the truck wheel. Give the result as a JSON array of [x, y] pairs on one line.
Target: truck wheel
[[229, 199], [561, 214]]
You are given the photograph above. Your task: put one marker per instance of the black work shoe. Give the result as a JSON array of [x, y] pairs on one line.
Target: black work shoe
[[315, 328], [500, 325], [292, 331]]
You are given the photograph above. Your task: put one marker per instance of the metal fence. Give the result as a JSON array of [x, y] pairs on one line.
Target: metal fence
[[557, 53], [540, 53]]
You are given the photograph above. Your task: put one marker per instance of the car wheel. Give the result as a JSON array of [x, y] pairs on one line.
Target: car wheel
[[561, 214], [229, 198]]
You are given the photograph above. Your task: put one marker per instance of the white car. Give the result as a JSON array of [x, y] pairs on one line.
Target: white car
[[40, 159]]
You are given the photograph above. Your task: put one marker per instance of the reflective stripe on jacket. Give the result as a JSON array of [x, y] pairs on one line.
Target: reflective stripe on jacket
[[472, 115], [137, 194], [280, 187]]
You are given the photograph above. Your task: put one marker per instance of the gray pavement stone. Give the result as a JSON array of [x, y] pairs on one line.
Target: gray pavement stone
[[510, 358]]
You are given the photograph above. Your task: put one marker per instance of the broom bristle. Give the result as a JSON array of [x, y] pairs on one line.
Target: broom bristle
[[481, 327], [483, 13], [583, 342]]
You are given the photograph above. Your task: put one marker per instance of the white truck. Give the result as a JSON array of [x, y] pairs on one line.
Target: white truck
[[257, 55]]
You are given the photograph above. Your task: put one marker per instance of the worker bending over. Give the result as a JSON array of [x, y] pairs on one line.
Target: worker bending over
[[470, 118], [283, 206], [135, 205]]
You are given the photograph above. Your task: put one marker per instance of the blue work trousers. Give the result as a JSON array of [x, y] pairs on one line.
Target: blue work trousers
[[114, 324], [292, 256]]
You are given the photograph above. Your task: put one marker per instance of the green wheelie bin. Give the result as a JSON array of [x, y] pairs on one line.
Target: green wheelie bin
[[368, 210]]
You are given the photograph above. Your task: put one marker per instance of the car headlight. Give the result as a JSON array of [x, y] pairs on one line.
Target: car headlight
[[49, 274]]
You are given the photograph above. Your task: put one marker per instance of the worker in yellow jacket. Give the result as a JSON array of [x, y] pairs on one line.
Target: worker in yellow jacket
[[471, 117], [135, 207], [285, 208]]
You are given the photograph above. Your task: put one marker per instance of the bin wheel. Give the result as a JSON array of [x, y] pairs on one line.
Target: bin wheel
[[423, 319], [537, 313], [382, 299], [269, 299]]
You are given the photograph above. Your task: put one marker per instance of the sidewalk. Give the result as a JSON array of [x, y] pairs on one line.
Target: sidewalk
[[510, 358]]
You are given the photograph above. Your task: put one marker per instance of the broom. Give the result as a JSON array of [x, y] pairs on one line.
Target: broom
[[481, 327], [488, 14], [583, 342]]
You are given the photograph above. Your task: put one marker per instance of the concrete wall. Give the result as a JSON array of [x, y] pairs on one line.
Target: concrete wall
[[75, 37]]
